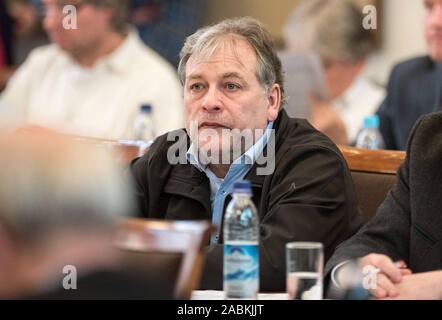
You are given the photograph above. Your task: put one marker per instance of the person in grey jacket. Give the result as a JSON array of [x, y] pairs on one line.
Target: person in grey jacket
[[403, 240]]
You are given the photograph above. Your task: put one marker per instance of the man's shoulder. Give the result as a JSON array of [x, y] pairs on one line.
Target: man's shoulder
[[45, 54], [146, 58], [163, 142], [415, 65], [427, 135], [301, 138], [167, 149], [431, 120], [34, 69]]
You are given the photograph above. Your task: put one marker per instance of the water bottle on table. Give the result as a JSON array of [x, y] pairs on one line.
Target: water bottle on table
[[241, 245], [144, 129], [370, 137]]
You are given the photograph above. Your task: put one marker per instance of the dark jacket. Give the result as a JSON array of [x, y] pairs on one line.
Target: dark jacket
[[408, 224], [414, 89], [309, 197]]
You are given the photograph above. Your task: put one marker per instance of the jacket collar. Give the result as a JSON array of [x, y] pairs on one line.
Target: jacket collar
[[280, 127], [189, 174]]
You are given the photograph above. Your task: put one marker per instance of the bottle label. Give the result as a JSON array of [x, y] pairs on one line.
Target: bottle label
[[241, 270]]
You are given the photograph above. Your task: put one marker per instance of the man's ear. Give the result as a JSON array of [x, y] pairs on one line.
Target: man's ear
[[274, 99]]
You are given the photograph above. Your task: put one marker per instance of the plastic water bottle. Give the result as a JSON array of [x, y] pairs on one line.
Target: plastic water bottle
[[241, 245], [144, 129], [370, 137], [143, 126]]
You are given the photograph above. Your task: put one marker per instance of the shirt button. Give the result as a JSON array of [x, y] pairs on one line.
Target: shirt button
[[224, 192]]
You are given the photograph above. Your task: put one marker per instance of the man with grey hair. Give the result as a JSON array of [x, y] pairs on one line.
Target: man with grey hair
[[94, 78], [60, 202], [233, 89], [332, 31]]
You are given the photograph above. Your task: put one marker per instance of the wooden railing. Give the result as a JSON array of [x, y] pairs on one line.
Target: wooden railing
[[375, 161], [363, 160]]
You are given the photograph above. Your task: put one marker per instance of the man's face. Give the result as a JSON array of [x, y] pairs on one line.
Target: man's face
[[222, 92], [433, 28], [93, 23]]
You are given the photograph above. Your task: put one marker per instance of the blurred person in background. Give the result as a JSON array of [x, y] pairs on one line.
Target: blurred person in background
[[6, 43], [21, 27], [95, 76], [164, 24], [60, 203], [333, 30], [415, 85], [28, 28]]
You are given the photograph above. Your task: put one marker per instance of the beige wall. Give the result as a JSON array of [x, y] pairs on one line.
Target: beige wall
[[401, 27], [271, 12], [402, 37]]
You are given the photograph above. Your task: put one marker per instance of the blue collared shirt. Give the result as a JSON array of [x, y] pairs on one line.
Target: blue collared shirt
[[221, 188]]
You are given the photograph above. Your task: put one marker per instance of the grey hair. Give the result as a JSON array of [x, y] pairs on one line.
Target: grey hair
[[331, 28], [119, 9], [206, 40], [46, 191]]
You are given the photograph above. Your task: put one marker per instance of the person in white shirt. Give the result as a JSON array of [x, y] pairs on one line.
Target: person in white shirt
[[362, 98], [92, 80], [332, 30]]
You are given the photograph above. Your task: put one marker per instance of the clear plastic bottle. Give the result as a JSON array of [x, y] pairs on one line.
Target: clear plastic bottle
[[144, 128], [241, 245], [370, 137]]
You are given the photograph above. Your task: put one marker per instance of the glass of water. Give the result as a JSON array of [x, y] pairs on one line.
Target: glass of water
[[305, 264]]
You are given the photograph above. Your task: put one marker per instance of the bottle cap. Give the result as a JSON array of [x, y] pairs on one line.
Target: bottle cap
[[146, 108], [242, 186], [371, 122]]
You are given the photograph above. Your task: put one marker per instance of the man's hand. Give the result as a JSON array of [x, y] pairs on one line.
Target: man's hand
[[390, 274], [420, 286]]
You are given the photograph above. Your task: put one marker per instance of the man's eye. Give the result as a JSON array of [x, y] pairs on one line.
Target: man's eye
[[196, 87], [232, 86]]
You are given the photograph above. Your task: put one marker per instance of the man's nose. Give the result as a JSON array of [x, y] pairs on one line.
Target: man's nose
[[211, 101]]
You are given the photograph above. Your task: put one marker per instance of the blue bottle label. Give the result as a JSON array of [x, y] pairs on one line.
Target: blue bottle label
[[241, 270]]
